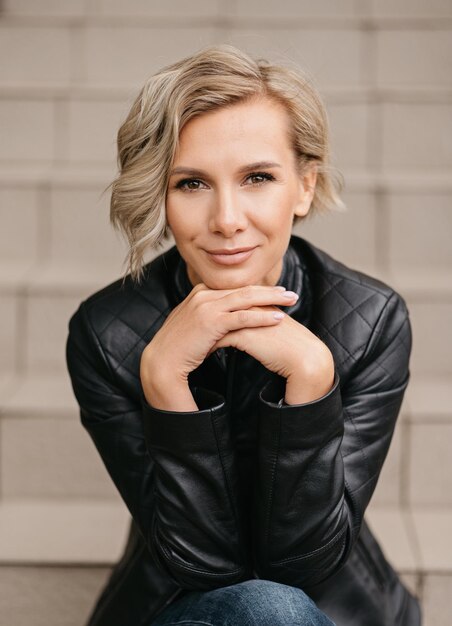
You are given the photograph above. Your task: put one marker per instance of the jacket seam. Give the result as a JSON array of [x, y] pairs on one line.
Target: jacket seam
[[189, 568], [98, 342], [316, 552], [226, 478], [361, 283], [368, 348], [272, 481]]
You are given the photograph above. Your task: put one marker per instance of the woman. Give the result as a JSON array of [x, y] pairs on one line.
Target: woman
[[243, 387]]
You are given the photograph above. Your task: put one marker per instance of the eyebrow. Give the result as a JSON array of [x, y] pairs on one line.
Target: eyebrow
[[189, 171]]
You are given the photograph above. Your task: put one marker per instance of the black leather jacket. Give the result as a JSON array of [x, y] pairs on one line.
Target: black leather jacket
[[246, 487]]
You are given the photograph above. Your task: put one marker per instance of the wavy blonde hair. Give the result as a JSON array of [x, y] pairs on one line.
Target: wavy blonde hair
[[214, 77]]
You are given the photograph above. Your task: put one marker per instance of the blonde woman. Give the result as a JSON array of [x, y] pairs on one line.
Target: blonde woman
[[242, 388]]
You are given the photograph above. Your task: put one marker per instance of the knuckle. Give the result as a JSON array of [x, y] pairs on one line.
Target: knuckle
[[246, 292], [199, 296], [243, 317]]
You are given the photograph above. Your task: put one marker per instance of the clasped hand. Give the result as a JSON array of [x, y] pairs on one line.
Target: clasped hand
[[209, 319]]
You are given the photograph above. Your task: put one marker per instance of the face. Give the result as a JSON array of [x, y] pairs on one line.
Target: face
[[234, 184]]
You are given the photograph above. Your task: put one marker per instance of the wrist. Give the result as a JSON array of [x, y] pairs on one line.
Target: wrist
[[299, 392], [302, 388], [165, 391]]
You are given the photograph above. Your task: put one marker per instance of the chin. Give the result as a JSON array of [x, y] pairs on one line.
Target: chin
[[230, 281]]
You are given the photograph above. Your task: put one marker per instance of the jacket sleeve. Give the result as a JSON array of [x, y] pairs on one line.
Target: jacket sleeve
[[174, 470], [319, 462]]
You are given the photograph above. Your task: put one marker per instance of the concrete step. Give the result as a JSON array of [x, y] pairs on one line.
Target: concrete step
[[62, 531], [46, 453], [60, 217], [48, 595], [37, 302], [69, 549], [64, 596]]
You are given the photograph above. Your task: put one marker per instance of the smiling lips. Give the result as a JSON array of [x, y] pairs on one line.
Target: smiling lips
[[230, 257]]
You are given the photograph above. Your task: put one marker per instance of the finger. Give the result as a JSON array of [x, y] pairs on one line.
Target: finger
[[258, 295], [252, 318]]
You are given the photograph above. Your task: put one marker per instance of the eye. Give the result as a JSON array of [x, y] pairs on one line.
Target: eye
[[189, 184], [258, 178]]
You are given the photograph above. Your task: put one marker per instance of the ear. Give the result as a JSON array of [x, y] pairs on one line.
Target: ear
[[307, 184]]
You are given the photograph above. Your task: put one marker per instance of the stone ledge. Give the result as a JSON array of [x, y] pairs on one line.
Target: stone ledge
[[38, 395], [152, 19], [427, 398], [76, 532], [426, 94], [62, 531], [70, 174], [55, 278]]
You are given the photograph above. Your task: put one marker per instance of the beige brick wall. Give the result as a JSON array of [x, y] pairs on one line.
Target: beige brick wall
[[72, 69]]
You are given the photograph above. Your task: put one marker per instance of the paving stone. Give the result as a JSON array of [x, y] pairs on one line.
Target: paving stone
[[294, 9], [81, 232], [27, 130], [391, 528], [50, 457], [8, 332], [119, 55], [159, 8], [336, 231], [411, 8], [46, 330], [428, 399], [49, 596], [349, 126], [40, 8], [329, 57], [413, 137], [430, 471], [428, 243], [432, 335], [19, 220], [396, 50], [437, 604], [41, 55], [64, 531], [92, 130]]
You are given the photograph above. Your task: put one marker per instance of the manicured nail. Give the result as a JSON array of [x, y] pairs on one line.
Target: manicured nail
[[280, 288], [278, 316], [290, 294]]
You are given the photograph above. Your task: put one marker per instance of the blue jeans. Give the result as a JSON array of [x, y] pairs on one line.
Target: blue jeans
[[250, 603]]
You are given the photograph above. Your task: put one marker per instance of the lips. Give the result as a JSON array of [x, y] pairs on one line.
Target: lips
[[230, 257], [228, 251]]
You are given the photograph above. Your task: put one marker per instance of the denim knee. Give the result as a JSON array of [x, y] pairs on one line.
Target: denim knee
[[266, 603], [250, 603]]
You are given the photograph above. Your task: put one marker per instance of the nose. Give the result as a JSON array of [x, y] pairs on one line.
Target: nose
[[227, 214]]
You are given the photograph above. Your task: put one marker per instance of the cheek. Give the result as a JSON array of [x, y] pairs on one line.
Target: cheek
[[177, 218]]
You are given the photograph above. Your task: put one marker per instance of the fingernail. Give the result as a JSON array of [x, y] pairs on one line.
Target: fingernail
[[280, 288], [290, 294], [278, 316]]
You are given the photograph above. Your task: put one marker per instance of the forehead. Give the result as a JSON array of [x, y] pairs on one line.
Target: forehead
[[246, 128]]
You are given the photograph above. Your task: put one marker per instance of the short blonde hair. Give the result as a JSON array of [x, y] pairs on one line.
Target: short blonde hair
[[214, 77]]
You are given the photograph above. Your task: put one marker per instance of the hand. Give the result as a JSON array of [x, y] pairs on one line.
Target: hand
[[290, 350], [192, 329]]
